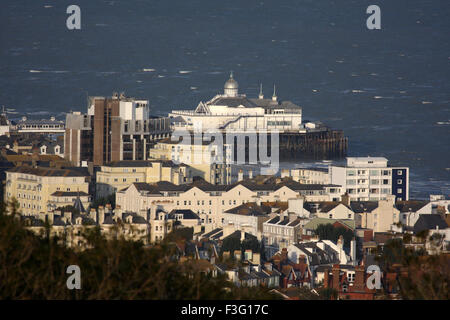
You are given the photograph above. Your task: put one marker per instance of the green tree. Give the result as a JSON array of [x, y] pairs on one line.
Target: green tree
[[329, 232]]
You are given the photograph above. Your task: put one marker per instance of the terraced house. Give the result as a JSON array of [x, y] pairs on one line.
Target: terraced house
[[211, 201]]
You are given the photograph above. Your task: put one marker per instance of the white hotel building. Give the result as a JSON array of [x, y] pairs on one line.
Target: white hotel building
[[210, 202], [371, 179]]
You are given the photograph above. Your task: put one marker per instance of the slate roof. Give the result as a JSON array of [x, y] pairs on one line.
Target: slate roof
[[250, 209], [319, 256], [137, 219], [187, 214], [411, 205], [69, 194], [207, 187], [47, 172], [237, 234], [315, 222], [429, 222], [232, 102], [363, 206]]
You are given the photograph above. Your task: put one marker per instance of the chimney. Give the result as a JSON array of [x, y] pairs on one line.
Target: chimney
[[50, 217], [256, 259], [292, 216], [240, 175], [242, 235], [68, 216], [93, 215], [346, 199], [237, 255], [359, 278], [295, 205], [285, 173], [336, 273], [284, 254], [101, 214], [248, 255], [340, 242], [302, 259], [250, 174], [228, 229], [353, 251], [326, 278]]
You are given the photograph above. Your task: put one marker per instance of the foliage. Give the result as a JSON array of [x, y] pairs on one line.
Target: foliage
[[111, 199], [233, 244], [33, 267], [180, 234], [68, 208], [329, 232], [420, 276]]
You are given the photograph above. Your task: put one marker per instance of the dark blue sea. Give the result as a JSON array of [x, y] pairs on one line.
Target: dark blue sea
[[387, 89]]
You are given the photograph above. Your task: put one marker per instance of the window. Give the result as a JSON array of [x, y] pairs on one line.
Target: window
[[349, 215], [399, 181], [330, 216], [399, 190], [399, 172]]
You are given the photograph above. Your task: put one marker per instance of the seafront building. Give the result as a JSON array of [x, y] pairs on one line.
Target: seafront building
[[232, 110], [113, 129], [39, 190], [371, 179], [118, 175], [363, 178], [50, 126]]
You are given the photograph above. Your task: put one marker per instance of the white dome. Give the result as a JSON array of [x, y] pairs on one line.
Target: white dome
[[231, 87], [231, 84]]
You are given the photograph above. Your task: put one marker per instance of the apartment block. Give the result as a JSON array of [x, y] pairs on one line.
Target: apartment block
[[113, 129], [371, 179]]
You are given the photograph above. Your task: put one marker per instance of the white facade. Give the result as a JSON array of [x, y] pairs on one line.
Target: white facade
[[370, 179], [307, 176], [209, 204], [232, 110]]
